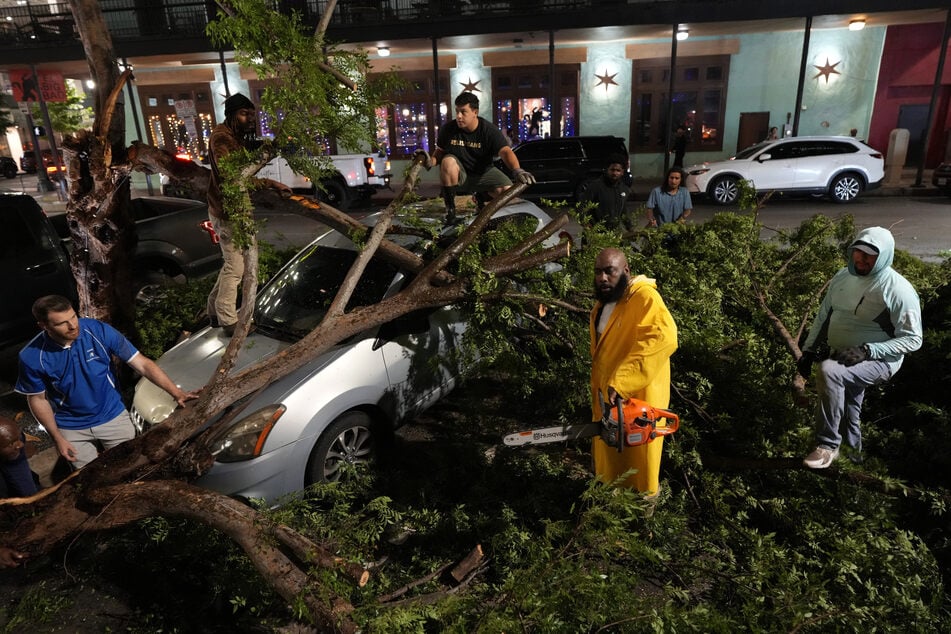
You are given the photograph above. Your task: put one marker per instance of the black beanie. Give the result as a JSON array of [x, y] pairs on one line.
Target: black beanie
[[236, 102]]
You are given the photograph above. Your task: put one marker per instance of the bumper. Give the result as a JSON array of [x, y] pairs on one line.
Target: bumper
[[268, 477], [874, 185]]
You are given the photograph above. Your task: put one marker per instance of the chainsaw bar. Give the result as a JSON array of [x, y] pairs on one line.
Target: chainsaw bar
[[552, 434]]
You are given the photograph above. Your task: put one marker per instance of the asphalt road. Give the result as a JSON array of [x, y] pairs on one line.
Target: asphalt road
[[921, 224]]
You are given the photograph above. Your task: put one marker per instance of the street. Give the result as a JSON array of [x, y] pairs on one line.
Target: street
[[921, 224]]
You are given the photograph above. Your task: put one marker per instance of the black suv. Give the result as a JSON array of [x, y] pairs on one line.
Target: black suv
[[32, 265], [561, 166], [8, 167]]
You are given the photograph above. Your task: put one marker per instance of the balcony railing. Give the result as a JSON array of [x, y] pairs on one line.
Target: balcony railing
[[49, 25]]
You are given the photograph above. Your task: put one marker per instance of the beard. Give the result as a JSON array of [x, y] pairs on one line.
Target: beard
[[614, 293]]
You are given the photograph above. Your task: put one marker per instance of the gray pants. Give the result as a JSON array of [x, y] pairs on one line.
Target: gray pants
[[111, 433], [841, 392]]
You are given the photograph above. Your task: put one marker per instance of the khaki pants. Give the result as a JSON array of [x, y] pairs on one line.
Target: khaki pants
[[112, 433], [223, 299]]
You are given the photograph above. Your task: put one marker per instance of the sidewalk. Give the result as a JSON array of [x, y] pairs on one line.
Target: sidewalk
[[53, 202]]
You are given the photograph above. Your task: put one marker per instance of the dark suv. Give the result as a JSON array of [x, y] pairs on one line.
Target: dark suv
[[8, 167], [32, 265], [561, 166]]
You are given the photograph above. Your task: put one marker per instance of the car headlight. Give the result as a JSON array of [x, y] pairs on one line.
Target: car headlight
[[698, 172], [244, 439]]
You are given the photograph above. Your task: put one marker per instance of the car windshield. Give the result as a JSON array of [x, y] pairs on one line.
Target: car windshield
[[751, 150], [295, 301]]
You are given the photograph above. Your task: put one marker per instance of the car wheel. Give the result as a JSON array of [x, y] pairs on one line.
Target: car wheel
[[148, 287], [725, 190], [334, 194], [845, 188], [349, 440], [10, 172]]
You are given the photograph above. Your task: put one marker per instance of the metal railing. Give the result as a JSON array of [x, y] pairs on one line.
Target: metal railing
[[48, 25]]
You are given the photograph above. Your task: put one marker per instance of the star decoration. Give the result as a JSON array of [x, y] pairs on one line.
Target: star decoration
[[471, 86], [606, 79], [827, 70]]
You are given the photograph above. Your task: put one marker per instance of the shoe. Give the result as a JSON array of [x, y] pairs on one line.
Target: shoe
[[821, 458], [214, 322], [229, 329]]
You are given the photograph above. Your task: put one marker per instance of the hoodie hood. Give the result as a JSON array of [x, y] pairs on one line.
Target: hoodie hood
[[881, 239]]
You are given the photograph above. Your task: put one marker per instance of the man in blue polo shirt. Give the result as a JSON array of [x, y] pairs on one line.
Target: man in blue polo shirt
[[66, 376]]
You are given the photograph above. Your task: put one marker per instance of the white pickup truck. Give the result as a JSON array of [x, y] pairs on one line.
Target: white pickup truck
[[358, 177]]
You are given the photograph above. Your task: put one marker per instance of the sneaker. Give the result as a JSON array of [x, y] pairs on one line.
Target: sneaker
[[821, 458]]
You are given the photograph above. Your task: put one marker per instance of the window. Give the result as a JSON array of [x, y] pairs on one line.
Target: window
[[697, 102], [522, 101], [413, 120]]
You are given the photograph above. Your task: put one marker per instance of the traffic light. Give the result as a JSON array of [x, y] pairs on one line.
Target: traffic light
[[39, 130]]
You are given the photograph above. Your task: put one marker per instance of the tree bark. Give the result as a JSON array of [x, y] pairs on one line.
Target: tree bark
[[101, 229]]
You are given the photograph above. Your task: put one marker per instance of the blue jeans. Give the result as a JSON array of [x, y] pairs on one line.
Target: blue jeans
[[841, 392]]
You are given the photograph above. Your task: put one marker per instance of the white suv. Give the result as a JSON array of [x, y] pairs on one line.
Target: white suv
[[840, 167]]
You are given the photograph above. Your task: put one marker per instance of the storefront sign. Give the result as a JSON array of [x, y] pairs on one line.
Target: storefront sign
[[28, 87]]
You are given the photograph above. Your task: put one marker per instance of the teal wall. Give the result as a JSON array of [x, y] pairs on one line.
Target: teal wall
[[763, 78], [764, 75]]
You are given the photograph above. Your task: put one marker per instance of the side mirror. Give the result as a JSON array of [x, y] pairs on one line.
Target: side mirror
[[764, 157]]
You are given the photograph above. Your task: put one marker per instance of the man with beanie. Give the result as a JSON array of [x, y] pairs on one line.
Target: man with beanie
[[871, 318], [237, 132], [465, 149]]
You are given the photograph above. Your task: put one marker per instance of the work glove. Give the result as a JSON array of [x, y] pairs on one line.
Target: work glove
[[524, 178], [853, 355], [423, 157], [804, 364]]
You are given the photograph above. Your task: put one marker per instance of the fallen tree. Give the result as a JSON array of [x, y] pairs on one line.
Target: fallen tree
[[149, 475]]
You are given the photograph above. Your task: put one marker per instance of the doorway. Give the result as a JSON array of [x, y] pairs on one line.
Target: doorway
[[754, 127], [914, 118]]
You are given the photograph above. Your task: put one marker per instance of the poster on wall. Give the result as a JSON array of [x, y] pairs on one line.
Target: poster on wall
[[28, 87]]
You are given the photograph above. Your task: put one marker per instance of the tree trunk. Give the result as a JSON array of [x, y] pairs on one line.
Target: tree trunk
[[101, 229]]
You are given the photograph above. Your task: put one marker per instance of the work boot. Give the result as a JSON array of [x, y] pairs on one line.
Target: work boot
[[481, 200], [449, 199]]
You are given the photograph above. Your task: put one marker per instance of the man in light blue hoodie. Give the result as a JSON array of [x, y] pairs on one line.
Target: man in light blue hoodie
[[871, 318]]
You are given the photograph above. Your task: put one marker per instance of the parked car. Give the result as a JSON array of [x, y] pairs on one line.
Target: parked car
[[840, 167], [304, 427], [32, 264], [174, 242], [562, 165], [941, 178], [28, 161], [8, 167]]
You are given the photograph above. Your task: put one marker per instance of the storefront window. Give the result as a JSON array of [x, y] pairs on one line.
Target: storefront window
[[569, 120], [411, 128], [523, 103], [536, 118], [506, 118], [382, 131], [700, 109]]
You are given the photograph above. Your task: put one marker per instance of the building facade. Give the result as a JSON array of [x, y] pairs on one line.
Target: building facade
[[728, 84]]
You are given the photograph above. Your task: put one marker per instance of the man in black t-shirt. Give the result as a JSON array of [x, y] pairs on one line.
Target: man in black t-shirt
[[465, 149]]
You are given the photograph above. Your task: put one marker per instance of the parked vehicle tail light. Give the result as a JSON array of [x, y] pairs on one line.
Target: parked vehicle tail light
[[877, 155], [370, 165], [244, 439]]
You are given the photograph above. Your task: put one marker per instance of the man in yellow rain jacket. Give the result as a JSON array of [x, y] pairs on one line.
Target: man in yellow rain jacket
[[632, 338]]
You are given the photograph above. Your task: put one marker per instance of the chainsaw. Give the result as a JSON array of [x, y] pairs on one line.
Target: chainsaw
[[635, 424]]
